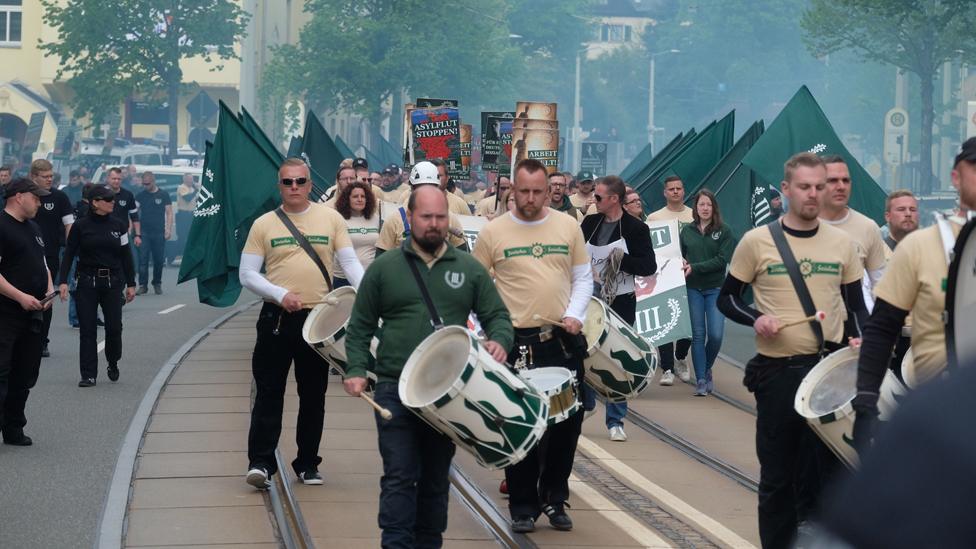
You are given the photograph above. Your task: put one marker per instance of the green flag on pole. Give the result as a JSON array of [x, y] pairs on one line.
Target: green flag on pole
[[734, 185], [238, 185], [692, 163], [729, 163], [803, 126], [637, 163], [254, 130], [343, 148], [294, 147], [662, 157], [320, 153]]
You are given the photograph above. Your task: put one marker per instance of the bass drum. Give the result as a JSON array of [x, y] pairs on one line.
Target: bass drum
[[451, 382], [961, 300], [559, 384]]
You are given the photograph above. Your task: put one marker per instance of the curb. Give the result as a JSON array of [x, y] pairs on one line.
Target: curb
[[112, 521]]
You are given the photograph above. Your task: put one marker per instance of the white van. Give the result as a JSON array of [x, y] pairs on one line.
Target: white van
[[168, 178], [123, 153]]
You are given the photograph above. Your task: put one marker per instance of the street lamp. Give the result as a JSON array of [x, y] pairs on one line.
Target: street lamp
[[577, 131], [650, 97]]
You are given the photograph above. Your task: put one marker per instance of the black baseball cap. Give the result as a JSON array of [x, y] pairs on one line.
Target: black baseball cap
[[967, 152], [388, 171], [100, 192], [23, 185], [360, 163], [393, 168], [584, 176]]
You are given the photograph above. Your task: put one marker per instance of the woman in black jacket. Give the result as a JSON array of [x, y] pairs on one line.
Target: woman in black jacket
[[609, 232]]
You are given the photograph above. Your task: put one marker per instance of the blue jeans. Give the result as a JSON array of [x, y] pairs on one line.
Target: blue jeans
[[707, 329], [414, 489], [615, 412]]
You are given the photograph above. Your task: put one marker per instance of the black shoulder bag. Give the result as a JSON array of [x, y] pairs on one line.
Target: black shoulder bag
[[802, 292], [303, 242], [435, 319]]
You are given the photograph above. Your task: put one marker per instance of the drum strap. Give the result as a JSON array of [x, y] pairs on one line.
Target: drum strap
[[435, 319], [303, 242], [802, 292]]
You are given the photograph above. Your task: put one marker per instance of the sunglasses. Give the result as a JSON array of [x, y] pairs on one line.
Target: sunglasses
[[109, 199], [288, 182], [598, 198]]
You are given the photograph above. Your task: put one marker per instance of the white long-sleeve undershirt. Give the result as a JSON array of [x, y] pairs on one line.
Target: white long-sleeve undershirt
[[580, 292], [251, 278]]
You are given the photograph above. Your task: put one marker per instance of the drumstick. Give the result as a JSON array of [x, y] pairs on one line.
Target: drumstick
[[549, 320], [819, 316], [330, 301], [384, 413]]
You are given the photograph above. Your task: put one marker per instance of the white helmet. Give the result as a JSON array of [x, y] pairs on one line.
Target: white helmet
[[424, 173]]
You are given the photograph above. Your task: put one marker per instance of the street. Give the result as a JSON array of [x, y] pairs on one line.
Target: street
[[54, 491]]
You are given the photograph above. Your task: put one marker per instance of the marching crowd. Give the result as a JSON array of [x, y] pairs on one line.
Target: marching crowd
[[528, 279]]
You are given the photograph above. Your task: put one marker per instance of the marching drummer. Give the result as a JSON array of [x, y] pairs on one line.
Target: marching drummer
[[611, 234], [915, 281], [542, 272], [791, 457], [293, 280], [397, 226], [416, 457]]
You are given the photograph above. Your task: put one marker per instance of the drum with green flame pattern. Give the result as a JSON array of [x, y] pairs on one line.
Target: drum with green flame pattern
[[455, 385], [619, 363]]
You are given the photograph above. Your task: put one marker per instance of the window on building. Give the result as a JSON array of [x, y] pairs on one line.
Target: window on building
[[10, 21], [616, 33]]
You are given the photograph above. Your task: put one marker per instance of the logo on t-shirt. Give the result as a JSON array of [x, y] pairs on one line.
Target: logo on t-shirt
[[537, 250], [49, 206], [363, 230], [808, 268], [123, 202], [454, 280], [159, 201], [290, 240]]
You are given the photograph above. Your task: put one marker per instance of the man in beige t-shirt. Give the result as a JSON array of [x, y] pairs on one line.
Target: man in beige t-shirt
[[290, 284], [790, 454], [674, 193], [542, 272], [586, 186], [395, 229], [864, 232], [915, 281], [486, 206]]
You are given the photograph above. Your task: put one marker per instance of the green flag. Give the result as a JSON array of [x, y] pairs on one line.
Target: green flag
[[254, 130], [803, 126], [729, 163], [637, 163], [295, 147], [238, 185], [387, 152], [375, 163], [662, 157], [692, 163], [320, 152], [343, 148]]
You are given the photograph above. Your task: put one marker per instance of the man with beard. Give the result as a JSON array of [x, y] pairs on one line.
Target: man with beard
[[416, 458], [901, 215], [793, 461], [557, 198], [583, 197], [914, 281], [542, 271]]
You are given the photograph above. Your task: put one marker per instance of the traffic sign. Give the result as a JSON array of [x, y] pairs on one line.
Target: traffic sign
[[201, 109]]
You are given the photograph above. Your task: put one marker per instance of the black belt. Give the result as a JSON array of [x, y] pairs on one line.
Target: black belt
[[528, 336], [99, 272]]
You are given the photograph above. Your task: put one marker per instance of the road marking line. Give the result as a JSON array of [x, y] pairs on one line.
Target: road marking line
[[663, 497], [608, 510], [101, 346], [171, 309]]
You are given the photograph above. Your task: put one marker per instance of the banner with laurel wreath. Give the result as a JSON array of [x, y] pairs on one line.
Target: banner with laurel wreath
[[662, 300]]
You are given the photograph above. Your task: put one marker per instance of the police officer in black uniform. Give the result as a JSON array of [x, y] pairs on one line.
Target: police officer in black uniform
[[55, 217], [24, 281], [101, 244]]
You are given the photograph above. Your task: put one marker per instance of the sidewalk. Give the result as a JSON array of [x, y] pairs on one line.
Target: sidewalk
[[188, 488]]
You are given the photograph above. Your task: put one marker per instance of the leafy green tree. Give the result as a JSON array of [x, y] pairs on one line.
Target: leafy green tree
[[355, 55], [112, 50], [915, 35]]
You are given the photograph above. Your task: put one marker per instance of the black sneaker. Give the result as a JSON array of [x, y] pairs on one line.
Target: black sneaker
[[158, 289], [523, 524], [113, 371], [87, 382], [259, 478], [310, 477], [44, 352], [22, 440], [558, 518]]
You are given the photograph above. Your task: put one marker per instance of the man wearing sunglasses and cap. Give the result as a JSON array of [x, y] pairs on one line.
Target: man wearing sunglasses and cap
[[100, 241], [283, 242], [24, 281]]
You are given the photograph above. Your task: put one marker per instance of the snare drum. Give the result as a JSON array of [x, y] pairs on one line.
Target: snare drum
[[454, 384], [619, 363], [559, 385], [824, 399], [325, 326]]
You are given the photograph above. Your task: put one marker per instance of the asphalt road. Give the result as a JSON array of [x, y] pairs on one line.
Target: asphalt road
[[52, 493]]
